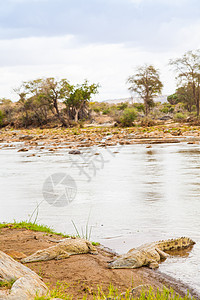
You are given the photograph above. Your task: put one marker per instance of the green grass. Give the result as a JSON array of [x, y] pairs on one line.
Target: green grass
[[114, 294], [6, 284], [31, 226]]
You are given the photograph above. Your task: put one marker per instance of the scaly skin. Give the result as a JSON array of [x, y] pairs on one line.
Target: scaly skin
[[149, 254], [64, 249]]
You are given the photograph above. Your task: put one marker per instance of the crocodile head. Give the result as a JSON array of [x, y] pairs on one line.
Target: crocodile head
[[123, 263]]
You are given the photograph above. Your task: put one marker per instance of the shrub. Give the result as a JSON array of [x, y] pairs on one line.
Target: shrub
[[106, 111], [1, 118], [147, 122], [128, 117], [122, 106], [139, 107], [167, 108], [179, 116]]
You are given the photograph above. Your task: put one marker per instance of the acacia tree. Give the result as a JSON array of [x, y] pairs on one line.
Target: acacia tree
[[41, 95], [78, 99], [188, 73], [146, 83]]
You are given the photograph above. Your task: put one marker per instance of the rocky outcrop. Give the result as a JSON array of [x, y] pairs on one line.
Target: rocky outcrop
[[26, 282]]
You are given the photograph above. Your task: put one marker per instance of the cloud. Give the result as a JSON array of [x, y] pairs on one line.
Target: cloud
[[102, 40], [135, 22], [63, 57]]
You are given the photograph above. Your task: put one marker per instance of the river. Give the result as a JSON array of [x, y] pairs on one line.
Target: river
[[127, 195]]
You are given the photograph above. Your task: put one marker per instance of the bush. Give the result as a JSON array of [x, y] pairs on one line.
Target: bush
[[167, 108], [128, 117], [122, 106], [139, 107], [1, 118], [179, 116], [106, 111], [147, 122]]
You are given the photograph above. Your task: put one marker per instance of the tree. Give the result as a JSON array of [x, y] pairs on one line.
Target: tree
[[78, 99], [41, 95], [188, 74], [146, 83]]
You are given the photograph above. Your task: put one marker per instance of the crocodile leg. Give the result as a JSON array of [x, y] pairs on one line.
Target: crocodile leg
[[153, 265], [162, 254], [64, 254]]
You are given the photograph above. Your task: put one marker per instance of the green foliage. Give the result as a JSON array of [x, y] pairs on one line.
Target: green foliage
[[30, 226], [173, 99], [122, 106], [187, 68], [139, 106], [6, 284], [128, 117], [113, 293], [146, 83], [78, 98], [85, 232], [106, 111], [179, 116], [1, 118], [58, 292], [167, 108]]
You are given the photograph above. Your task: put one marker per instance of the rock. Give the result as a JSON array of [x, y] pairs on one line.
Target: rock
[[15, 254], [27, 283], [165, 118], [26, 137], [26, 288], [74, 152], [22, 150]]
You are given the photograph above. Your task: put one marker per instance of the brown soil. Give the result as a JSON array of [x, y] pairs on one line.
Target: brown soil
[[82, 273]]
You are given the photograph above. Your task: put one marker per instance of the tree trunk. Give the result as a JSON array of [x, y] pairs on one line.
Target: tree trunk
[[76, 115], [62, 120], [197, 101]]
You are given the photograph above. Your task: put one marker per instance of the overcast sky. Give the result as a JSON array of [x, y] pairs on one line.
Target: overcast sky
[[99, 40]]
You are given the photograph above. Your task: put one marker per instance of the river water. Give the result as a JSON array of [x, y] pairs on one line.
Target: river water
[[128, 195]]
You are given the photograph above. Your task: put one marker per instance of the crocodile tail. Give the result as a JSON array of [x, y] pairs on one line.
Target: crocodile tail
[[175, 244]]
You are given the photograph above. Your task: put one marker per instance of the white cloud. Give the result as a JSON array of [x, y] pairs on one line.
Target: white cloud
[[62, 57]]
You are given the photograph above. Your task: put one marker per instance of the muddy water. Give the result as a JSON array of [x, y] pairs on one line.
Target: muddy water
[[128, 198]]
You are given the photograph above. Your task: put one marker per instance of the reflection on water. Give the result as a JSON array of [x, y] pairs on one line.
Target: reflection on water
[[139, 195]]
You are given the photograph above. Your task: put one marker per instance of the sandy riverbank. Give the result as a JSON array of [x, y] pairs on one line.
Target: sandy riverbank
[[82, 273]]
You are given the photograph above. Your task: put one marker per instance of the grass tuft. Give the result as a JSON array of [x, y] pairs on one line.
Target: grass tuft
[[6, 284], [114, 294], [31, 226]]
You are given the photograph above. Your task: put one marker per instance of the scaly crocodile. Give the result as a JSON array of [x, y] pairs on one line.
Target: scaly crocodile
[[64, 249], [149, 254]]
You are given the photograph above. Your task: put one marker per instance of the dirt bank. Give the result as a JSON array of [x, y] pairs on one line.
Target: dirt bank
[[82, 273]]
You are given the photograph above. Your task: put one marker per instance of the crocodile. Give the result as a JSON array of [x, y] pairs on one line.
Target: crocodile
[[149, 254], [64, 249]]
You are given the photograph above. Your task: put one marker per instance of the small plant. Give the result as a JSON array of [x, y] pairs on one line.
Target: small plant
[[128, 117], [85, 234], [113, 293], [1, 118], [6, 284], [179, 116], [58, 292]]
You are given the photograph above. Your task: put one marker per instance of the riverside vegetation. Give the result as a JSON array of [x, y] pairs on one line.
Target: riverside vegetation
[[50, 102]]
